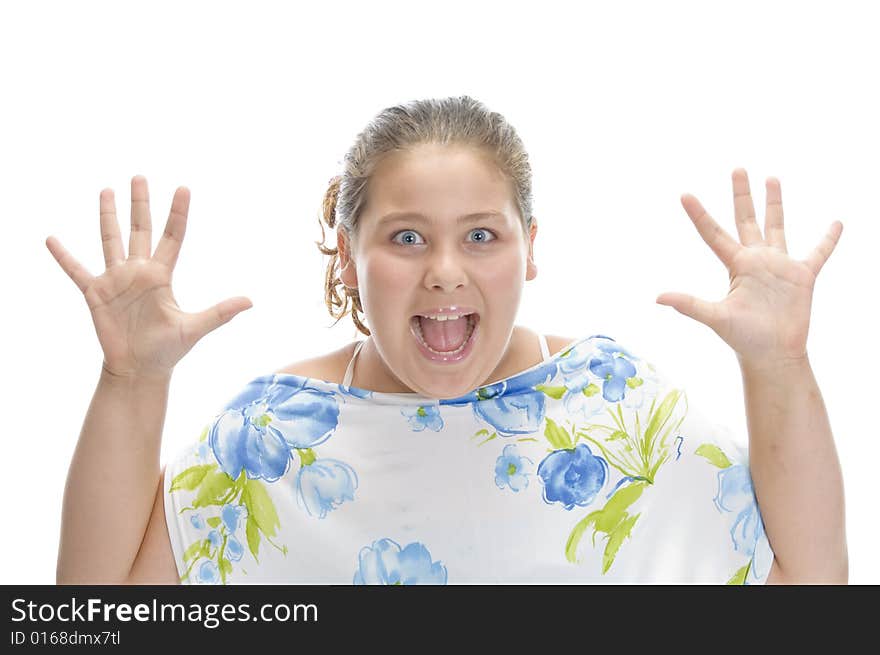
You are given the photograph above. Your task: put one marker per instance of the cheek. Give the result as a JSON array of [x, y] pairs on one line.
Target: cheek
[[381, 285], [505, 275]]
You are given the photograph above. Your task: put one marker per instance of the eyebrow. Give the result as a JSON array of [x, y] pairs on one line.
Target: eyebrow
[[414, 216]]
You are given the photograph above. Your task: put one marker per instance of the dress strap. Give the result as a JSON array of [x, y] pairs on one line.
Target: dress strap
[[545, 349], [349, 371]]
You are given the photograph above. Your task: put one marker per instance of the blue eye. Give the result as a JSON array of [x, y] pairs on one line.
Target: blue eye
[[404, 232], [478, 229], [482, 229]]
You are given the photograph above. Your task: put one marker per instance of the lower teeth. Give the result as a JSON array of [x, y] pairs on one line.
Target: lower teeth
[[472, 327]]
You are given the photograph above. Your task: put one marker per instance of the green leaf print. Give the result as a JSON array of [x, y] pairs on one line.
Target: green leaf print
[[253, 536], [558, 437], [191, 477], [484, 432], [714, 454], [213, 490], [262, 516], [261, 507], [214, 521], [634, 454], [616, 538], [554, 392], [225, 568], [657, 421], [739, 578], [613, 520], [638, 454], [590, 390], [195, 549]]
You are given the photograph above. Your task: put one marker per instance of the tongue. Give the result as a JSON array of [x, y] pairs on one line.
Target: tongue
[[444, 336]]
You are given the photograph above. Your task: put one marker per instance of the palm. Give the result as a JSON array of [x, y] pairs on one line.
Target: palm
[[140, 327], [770, 296], [136, 316]]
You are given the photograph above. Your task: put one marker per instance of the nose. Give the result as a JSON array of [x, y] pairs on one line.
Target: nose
[[445, 270]]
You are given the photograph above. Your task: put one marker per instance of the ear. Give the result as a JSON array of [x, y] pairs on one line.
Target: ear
[[347, 270], [531, 267]]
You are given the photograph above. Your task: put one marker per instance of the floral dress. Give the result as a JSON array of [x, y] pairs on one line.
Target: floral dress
[[586, 468]]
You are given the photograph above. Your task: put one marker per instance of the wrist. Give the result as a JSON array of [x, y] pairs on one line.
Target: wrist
[[774, 365], [135, 378]]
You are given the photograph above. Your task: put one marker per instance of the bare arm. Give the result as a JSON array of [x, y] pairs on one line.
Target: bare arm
[[112, 480], [155, 560], [114, 483], [796, 473]]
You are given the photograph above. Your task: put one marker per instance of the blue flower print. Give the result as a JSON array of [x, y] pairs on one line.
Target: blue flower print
[[423, 416], [259, 428], [583, 392], [526, 381], [208, 573], [644, 386], [736, 495], [215, 538], [222, 529], [572, 476], [514, 414], [324, 484], [583, 397], [511, 469], [613, 370], [262, 452], [385, 563], [572, 366], [230, 514], [234, 549]]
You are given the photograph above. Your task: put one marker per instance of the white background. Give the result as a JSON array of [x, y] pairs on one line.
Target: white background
[[252, 106]]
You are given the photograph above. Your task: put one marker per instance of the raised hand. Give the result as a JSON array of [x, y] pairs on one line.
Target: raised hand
[[140, 327], [766, 314]]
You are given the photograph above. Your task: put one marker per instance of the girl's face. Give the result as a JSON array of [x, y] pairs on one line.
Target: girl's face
[[409, 265]]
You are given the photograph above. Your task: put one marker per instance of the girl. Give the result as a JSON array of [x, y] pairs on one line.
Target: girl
[[450, 445]]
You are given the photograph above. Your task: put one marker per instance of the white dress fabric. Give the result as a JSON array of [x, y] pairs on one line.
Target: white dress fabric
[[588, 468]]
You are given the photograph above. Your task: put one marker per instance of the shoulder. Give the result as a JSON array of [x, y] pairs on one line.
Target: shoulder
[[329, 367], [557, 344]]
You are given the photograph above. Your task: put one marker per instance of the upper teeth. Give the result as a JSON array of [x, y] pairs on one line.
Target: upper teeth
[[444, 317]]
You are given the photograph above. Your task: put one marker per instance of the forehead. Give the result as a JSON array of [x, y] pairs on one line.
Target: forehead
[[442, 181]]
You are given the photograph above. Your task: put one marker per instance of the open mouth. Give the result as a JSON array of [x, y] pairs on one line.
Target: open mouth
[[445, 340]]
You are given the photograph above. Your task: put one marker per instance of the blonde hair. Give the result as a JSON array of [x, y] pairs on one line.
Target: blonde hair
[[458, 120]]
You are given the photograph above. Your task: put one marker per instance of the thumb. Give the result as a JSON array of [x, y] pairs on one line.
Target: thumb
[[208, 320], [699, 310]]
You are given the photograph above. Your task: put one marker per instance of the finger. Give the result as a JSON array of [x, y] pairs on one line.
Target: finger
[[168, 248], [744, 209], [140, 239], [816, 260], [77, 272], [721, 243], [111, 240], [206, 321], [699, 310], [774, 229]]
